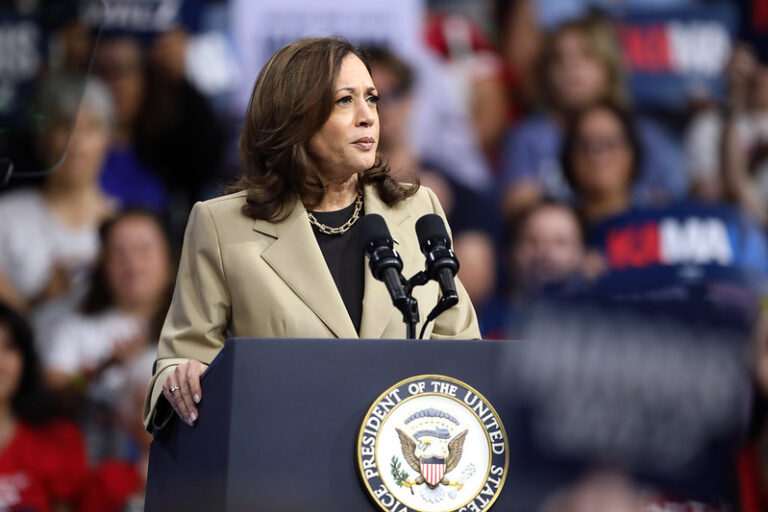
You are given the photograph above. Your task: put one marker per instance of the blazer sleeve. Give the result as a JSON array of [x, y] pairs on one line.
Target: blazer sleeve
[[460, 321], [199, 313]]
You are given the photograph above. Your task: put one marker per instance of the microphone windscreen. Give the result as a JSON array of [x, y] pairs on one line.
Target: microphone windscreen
[[430, 226], [373, 227]]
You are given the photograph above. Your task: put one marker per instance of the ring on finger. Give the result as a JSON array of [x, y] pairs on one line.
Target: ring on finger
[[173, 388]]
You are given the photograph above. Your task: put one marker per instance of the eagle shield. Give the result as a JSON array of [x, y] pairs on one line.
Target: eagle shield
[[433, 469]]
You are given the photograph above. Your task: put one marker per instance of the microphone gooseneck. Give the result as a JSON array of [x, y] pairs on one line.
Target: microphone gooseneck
[[441, 262], [386, 266]]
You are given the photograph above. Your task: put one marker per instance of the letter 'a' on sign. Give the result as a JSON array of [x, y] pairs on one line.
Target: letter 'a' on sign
[[432, 443]]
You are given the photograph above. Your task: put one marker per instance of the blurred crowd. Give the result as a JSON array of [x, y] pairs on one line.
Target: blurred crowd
[[544, 159]]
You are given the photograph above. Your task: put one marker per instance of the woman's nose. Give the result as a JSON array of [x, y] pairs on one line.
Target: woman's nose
[[366, 115]]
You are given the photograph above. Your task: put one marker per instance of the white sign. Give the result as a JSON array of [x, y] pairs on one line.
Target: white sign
[[262, 27]]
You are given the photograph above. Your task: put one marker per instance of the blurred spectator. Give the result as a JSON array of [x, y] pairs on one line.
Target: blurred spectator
[[601, 491], [545, 256], [120, 62], [73, 43], [120, 320], [168, 144], [467, 211], [601, 157], [581, 64], [611, 491], [747, 112], [118, 485], [551, 13], [42, 461], [520, 40], [177, 132], [479, 69], [753, 460], [48, 239], [736, 141]]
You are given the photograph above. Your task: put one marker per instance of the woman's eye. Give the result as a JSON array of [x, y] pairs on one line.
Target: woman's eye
[[374, 99], [346, 100]]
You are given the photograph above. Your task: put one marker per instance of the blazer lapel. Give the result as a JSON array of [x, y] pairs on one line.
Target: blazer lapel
[[378, 310], [297, 259]]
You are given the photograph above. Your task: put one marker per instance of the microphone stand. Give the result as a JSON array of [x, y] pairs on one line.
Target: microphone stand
[[410, 311], [412, 305], [409, 306]]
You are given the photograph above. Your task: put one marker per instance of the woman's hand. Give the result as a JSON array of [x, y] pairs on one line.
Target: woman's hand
[[185, 383]]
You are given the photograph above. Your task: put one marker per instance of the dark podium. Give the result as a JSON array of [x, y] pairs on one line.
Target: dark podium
[[280, 418]]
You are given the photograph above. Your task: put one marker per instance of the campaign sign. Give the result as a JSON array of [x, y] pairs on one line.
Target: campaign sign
[[143, 18], [671, 55], [684, 243]]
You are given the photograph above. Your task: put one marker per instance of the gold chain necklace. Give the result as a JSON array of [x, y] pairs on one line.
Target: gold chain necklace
[[344, 227]]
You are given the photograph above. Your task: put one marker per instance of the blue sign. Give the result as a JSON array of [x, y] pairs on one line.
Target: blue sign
[[672, 55]]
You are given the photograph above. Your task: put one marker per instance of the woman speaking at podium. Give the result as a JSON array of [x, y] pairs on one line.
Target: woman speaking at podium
[[281, 257]]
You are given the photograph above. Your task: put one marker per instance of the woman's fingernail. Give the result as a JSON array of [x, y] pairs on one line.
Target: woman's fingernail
[[192, 418], [197, 398]]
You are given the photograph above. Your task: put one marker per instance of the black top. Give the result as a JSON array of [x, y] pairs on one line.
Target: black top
[[345, 259]]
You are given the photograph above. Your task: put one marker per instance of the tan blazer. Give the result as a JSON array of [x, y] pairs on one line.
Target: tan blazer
[[258, 279]]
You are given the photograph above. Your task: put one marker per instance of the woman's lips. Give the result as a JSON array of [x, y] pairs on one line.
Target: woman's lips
[[364, 143]]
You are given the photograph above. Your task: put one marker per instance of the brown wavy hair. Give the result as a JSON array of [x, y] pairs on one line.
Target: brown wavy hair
[[601, 39], [291, 100]]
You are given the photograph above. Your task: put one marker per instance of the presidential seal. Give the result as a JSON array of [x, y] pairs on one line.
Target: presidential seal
[[432, 444]]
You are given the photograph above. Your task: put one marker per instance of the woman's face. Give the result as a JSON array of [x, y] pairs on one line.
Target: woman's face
[[549, 248], [86, 148], [119, 63], [137, 262], [602, 156], [11, 366], [577, 78], [347, 142], [394, 109]]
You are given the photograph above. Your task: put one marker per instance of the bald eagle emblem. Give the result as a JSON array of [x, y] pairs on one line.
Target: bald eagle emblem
[[431, 450]]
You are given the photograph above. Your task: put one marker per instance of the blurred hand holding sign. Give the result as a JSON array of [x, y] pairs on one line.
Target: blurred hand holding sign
[[647, 373], [658, 396], [674, 56]]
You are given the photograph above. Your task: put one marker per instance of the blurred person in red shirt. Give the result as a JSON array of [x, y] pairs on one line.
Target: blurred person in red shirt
[[118, 485], [42, 461], [520, 41], [478, 68]]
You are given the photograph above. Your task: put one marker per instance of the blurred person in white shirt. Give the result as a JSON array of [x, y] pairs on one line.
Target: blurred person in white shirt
[[48, 237]]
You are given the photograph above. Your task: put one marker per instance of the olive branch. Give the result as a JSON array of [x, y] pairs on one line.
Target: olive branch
[[400, 476]]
